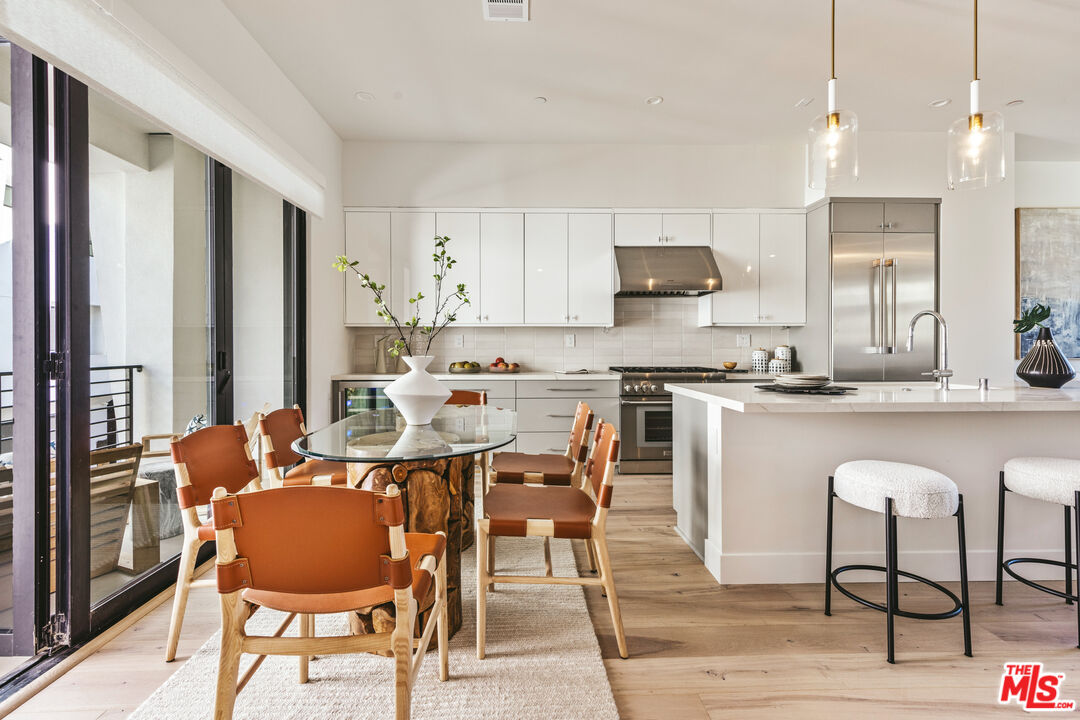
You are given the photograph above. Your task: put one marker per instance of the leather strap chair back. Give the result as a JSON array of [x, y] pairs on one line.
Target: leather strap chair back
[[579, 433], [280, 429], [344, 544], [216, 456], [600, 469], [467, 397]]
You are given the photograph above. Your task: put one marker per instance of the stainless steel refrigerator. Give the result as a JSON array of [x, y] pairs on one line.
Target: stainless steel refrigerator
[[884, 270]]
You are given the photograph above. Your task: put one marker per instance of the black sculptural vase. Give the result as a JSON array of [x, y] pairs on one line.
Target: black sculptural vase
[[1044, 365]]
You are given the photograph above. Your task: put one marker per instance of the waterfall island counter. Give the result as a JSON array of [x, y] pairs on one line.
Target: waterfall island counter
[[751, 471]]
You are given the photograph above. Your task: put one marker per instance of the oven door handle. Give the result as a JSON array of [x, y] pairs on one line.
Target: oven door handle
[[647, 402]]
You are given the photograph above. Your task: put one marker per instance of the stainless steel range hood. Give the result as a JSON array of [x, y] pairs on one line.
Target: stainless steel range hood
[[658, 271]]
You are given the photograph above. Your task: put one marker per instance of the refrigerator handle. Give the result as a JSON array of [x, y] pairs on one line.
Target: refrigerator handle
[[881, 315], [890, 263]]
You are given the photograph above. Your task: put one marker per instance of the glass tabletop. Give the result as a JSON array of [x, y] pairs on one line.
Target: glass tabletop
[[383, 436]]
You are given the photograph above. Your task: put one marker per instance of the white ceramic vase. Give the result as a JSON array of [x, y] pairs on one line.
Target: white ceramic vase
[[416, 394]]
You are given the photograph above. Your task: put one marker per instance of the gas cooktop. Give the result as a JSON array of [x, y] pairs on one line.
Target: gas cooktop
[[661, 369]]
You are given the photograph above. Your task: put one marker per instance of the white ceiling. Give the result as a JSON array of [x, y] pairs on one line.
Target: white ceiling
[[730, 71]]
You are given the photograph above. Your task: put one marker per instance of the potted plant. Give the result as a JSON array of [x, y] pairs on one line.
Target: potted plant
[[1044, 365], [416, 395]]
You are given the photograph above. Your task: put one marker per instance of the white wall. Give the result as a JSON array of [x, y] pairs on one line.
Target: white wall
[[1047, 184], [539, 175], [197, 71]]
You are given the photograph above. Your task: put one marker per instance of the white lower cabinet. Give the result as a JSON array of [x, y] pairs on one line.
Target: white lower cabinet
[[546, 443], [546, 410]]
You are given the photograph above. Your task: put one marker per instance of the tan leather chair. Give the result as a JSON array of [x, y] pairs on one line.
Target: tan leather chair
[[467, 397], [216, 456], [548, 469], [552, 511], [279, 430], [351, 552]]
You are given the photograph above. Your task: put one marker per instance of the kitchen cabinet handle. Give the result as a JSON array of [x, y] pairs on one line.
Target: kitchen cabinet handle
[[553, 415], [575, 317], [570, 389], [485, 317], [556, 450]]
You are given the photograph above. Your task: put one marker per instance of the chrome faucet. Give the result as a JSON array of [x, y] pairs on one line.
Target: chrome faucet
[[942, 372]]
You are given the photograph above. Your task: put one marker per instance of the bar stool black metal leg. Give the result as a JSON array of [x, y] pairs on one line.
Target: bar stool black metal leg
[[1076, 519], [890, 578], [1000, 536], [964, 575], [1068, 554], [828, 551]]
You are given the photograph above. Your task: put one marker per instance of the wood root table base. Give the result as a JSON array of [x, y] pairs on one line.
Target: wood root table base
[[438, 496]]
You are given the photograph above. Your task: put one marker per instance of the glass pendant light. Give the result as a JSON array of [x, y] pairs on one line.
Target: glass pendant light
[[976, 155], [834, 136]]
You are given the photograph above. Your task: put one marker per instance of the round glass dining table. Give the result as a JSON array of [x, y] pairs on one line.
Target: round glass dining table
[[433, 466]]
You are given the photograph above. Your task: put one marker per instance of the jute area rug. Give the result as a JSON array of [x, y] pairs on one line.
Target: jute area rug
[[542, 661]]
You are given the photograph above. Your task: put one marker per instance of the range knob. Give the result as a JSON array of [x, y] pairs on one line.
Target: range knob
[[627, 388], [652, 388], [637, 388]]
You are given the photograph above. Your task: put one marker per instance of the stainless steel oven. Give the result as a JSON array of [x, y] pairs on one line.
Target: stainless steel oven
[[646, 436], [645, 414]]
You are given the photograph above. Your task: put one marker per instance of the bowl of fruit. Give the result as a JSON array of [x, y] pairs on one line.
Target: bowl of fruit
[[465, 366], [501, 365]]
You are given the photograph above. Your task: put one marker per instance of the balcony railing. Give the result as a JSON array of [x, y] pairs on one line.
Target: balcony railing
[[111, 407]]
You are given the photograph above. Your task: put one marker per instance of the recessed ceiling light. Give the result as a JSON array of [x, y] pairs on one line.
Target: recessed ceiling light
[[540, 100], [939, 103], [364, 96], [654, 100], [1014, 103], [804, 102]]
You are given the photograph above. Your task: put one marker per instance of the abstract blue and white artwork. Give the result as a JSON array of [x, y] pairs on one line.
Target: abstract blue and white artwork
[[1048, 250]]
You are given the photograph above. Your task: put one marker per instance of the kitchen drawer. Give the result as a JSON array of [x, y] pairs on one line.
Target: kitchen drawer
[[858, 217], [551, 415], [496, 389], [549, 443], [910, 217], [576, 389]]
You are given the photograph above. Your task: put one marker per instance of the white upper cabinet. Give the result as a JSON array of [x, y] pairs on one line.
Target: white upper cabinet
[[762, 260], [681, 228], [782, 289], [686, 228], [639, 228], [412, 240], [546, 268], [502, 268], [591, 298], [367, 239], [463, 229], [735, 247]]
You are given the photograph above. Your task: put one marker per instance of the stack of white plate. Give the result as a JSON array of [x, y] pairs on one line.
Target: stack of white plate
[[802, 380]]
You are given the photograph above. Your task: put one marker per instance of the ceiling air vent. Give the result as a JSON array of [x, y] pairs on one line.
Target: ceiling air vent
[[506, 10]]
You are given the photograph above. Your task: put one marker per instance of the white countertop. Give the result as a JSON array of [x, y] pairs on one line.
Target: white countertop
[[543, 375], [884, 397]]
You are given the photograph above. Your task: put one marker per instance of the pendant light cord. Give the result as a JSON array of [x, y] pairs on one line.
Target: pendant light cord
[[832, 40], [975, 59]]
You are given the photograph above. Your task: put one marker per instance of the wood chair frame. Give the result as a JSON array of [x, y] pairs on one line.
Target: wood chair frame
[[474, 397], [545, 528], [537, 478], [235, 612], [190, 552]]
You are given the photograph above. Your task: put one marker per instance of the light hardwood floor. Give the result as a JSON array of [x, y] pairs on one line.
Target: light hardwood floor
[[699, 650]]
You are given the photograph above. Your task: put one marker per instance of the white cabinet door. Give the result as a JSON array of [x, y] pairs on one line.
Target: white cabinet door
[[463, 229], [367, 239], [638, 228], [591, 299], [782, 280], [545, 268], [686, 229], [412, 238], [502, 268], [735, 247]]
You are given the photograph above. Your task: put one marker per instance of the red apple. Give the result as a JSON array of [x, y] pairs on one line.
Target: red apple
[[499, 360]]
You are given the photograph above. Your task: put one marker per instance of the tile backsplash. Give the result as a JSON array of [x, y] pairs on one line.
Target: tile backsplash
[[647, 331]]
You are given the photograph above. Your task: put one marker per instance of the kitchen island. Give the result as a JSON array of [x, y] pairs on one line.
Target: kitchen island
[[751, 470]]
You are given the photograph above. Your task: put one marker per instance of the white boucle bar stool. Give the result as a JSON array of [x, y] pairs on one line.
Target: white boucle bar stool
[[1055, 480], [898, 490]]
